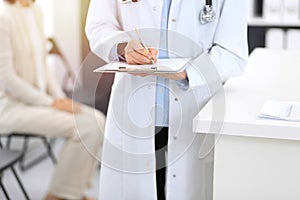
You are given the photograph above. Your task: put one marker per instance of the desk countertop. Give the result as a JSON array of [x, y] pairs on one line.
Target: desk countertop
[[270, 75]]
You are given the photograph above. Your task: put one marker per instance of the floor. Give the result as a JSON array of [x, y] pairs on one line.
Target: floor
[[37, 179]]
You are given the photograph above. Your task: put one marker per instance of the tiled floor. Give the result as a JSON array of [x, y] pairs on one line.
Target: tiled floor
[[37, 179]]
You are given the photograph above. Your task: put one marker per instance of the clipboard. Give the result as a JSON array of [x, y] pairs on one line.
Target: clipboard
[[171, 65]]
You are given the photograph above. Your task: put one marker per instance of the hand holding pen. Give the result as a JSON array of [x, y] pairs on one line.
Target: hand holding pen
[[137, 52], [144, 46]]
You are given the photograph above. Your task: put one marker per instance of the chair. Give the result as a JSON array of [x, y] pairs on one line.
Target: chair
[[69, 75], [55, 50], [7, 159], [24, 150]]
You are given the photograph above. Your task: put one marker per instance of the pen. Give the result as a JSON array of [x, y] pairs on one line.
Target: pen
[[143, 44]]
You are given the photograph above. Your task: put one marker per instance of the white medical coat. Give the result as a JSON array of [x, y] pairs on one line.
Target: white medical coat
[[128, 165]]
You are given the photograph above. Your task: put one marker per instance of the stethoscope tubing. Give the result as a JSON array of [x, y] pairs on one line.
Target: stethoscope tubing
[[207, 2], [207, 15]]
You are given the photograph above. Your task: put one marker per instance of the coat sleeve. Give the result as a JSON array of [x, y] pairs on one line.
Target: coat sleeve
[[229, 52], [103, 28], [10, 82]]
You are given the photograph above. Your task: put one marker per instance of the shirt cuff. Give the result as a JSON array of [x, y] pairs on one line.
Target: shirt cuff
[[194, 76], [183, 84], [113, 55]]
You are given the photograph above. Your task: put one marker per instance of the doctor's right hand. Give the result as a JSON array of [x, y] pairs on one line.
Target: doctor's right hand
[[136, 54], [66, 105]]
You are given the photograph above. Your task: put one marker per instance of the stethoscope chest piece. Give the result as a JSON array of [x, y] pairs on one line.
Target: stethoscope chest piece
[[207, 15]]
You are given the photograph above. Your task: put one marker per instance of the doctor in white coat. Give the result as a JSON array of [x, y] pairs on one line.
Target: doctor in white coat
[[129, 160]]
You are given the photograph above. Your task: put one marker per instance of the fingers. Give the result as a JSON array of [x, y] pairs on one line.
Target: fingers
[[174, 76], [140, 74], [135, 53], [136, 57], [76, 108], [66, 105], [132, 45], [154, 53], [171, 76]]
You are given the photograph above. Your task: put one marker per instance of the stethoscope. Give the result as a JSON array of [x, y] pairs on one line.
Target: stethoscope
[[207, 14]]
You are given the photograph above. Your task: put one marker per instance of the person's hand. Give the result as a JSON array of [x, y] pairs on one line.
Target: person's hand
[[66, 105], [173, 76], [136, 54]]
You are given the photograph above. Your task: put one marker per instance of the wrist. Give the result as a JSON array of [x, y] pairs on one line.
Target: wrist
[[121, 50]]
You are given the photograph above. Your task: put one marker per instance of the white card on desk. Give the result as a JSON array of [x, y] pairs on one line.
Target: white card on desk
[[291, 11], [173, 65], [273, 10], [281, 110]]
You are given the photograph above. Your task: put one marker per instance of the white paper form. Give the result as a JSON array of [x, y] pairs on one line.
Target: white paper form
[[161, 66], [281, 110]]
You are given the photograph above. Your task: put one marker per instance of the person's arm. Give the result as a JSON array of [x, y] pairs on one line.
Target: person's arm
[[61, 101], [53, 88], [9, 80], [230, 50], [104, 30]]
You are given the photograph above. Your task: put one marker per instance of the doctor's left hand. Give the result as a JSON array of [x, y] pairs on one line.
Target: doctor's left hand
[[174, 76]]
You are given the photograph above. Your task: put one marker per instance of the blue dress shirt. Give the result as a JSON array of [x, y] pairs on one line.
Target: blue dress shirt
[[162, 84]]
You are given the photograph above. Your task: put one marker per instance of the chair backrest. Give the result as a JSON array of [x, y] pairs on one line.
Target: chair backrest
[[56, 50]]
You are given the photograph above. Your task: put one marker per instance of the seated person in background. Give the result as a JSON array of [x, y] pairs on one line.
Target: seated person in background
[[32, 102]]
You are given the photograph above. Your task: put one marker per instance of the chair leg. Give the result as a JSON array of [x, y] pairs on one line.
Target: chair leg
[[3, 188], [22, 165], [49, 150], [20, 183], [49, 153], [8, 141], [24, 150]]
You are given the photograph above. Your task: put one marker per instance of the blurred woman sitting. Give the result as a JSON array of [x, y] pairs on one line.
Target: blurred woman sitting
[[32, 102]]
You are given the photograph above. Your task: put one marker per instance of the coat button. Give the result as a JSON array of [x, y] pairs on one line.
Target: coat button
[[173, 20], [174, 175], [176, 99], [175, 137]]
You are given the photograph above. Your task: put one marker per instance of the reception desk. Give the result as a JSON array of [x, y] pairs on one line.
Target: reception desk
[[255, 159]]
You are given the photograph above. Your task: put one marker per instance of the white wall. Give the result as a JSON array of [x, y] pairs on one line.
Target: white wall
[[67, 29], [62, 21]]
